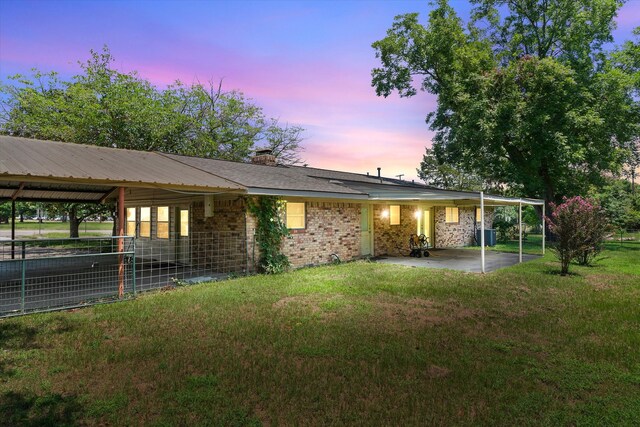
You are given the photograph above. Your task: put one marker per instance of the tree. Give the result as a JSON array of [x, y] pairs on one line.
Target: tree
[[105, 107], [439, 172], [530, 99]]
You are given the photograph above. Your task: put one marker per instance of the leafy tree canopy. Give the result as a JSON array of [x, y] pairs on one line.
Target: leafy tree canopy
[[105, 107], [527, 96]]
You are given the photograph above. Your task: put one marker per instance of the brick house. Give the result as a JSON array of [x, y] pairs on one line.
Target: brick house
[[171, 199]]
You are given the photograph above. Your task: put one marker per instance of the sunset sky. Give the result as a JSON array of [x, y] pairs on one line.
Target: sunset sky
[[305, 62]]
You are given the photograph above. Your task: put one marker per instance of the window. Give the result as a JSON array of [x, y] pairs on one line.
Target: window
[[162, 222], [184, 222], [478, 214], [145, 222], [131, 222], [394, 215], [295, 216], [451, 215]]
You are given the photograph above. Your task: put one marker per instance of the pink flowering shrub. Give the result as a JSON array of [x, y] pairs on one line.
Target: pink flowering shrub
[[580, 227]]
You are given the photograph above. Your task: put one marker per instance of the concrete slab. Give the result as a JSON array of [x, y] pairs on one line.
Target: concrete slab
[[459, 259]]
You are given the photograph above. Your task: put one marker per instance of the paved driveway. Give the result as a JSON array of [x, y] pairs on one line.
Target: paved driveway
[[459, 259]]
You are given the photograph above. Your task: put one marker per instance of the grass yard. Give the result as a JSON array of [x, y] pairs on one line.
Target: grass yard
[[57, 225], [358, 343]]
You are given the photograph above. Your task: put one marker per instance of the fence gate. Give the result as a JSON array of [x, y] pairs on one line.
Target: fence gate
[[49, 274]]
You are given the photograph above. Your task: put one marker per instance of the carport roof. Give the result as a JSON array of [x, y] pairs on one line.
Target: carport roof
[[49, 170]]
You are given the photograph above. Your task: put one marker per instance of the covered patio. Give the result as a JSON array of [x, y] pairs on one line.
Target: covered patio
[[468, 260]]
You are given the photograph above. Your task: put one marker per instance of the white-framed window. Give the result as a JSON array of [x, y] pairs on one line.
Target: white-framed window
[[295, 216], [184, 222], [451, 215], [130, 229], [478, 214], [162, 222], [145, 222], [394, 215]]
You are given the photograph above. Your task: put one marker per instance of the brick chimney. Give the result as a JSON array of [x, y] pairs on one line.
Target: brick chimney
[[264, 157]]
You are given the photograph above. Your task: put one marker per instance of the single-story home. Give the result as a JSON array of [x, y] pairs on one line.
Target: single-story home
[[183, 207]]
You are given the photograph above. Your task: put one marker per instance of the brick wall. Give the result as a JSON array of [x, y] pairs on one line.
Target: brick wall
[[220, 242], [461, 233], [393, 240], [331, 228]]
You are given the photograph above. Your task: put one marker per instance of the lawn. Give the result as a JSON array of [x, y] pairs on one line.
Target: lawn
[[358, 343], [57, 225]]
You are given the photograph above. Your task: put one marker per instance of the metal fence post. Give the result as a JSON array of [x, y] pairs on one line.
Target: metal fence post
[[133, 284], [23, 285]]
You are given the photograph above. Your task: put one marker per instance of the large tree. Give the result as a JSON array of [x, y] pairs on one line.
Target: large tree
[[526, 94], [103, 106]]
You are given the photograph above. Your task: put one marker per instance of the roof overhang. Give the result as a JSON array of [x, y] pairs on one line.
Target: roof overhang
[[305, 194]]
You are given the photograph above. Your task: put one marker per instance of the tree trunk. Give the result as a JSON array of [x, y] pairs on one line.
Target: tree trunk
[[74, 223]]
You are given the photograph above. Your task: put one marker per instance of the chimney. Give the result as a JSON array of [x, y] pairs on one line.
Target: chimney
[[264, 157]]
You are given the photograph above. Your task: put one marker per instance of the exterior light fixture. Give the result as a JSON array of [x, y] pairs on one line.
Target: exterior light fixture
[[385, 213], [417, 214]]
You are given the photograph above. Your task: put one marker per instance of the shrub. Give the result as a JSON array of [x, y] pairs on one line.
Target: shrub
[[580, 227]]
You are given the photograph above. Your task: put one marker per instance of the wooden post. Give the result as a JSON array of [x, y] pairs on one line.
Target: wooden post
[[121, 242]]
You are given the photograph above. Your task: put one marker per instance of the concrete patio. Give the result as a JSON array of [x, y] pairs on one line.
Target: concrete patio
[[459, 259]]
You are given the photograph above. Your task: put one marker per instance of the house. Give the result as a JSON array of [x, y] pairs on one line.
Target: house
[[193, 211]]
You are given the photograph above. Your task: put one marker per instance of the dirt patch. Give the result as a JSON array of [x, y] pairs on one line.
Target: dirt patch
[[305, 301], [601, 282], [435, 371]]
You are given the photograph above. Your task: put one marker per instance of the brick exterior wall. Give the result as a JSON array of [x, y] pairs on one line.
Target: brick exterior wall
[[331, 228], [221, 242], [393, 240], [461, 233]]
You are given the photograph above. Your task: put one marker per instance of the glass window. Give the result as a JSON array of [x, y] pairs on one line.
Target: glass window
[[478, 214], [451, 215], [295, 216], [145, 222], [162, 222], [130, 229], [184, 222], [394, 215]]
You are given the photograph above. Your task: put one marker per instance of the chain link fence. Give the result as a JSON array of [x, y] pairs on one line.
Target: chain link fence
[[51, 274]]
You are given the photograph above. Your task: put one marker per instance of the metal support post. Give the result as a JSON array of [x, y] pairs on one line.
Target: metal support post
[[482, 230], [520, 232], [544, 227]]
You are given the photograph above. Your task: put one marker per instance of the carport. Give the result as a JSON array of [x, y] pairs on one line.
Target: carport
[[420, 193], [48, 171]]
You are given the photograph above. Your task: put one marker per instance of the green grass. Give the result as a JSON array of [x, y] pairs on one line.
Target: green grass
[[358, 343], [57, 225], [531, 245]]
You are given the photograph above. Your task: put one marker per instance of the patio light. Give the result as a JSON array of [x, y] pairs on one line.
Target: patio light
[[385, 213], [417, 214]]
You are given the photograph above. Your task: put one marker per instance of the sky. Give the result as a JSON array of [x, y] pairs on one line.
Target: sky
[[306, 63]]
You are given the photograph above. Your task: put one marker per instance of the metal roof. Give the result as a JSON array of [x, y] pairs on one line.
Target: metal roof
[[47, 171], [32, 160]]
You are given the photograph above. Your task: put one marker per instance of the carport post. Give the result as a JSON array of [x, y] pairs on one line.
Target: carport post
[[520, 232], [482, 230], [544, 225], [13, 229], [120, 242]]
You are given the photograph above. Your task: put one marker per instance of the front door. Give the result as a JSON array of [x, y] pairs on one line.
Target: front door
[[425, 225], [365, 231]]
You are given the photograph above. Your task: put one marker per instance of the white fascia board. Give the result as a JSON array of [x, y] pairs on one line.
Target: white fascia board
[[301, 193]]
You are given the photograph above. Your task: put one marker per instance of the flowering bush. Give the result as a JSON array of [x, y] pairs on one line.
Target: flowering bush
[[580, 227]]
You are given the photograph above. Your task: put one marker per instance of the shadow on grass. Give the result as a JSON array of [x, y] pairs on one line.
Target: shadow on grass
[[22, 409]]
